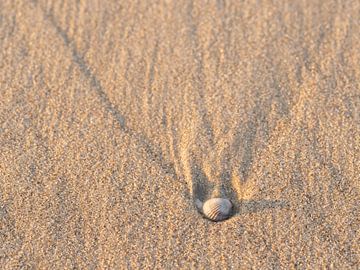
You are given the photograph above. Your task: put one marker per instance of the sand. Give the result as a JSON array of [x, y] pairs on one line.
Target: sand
[[115, 116]]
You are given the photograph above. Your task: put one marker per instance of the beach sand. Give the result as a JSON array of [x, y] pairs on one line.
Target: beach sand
[[115, 116]]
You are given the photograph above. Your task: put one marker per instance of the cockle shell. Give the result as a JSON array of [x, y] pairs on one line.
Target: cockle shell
[[215, 209]]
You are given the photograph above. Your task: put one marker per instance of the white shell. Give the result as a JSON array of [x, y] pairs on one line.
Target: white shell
[[216, 209]]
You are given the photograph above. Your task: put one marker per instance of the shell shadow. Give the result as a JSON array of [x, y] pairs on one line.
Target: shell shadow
[[253, 206]]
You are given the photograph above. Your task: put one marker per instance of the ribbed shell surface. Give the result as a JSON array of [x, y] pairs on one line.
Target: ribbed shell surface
[[217, 209]]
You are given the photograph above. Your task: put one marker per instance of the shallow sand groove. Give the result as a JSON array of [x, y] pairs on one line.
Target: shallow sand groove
[[116, 116]]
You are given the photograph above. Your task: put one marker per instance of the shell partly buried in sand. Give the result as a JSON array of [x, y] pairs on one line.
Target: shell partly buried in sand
[[215, 209]]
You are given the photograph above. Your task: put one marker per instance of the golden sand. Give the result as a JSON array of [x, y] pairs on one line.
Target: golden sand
[[115, 116]]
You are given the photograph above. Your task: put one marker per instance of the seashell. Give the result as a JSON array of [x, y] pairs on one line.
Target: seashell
[[215, 209]]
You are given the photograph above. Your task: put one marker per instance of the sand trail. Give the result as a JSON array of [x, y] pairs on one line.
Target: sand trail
[[116, 116]]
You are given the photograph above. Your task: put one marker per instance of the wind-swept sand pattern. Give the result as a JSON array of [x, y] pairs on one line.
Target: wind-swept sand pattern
[[116, 116]]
